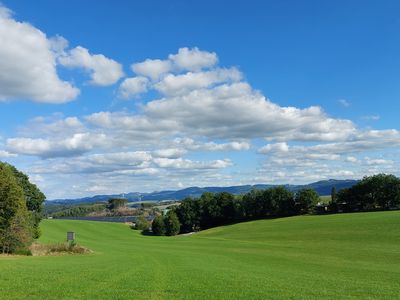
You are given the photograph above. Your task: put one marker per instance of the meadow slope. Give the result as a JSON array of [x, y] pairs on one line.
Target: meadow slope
[[344, 256]]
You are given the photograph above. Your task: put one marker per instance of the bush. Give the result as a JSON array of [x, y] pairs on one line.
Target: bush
[[172, 225], [141, 224], [158, 226]]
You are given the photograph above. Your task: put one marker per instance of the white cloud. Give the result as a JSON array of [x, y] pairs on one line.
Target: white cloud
[[371, 118], [277, 147], [77, 144], [193, 59], [352, 159], [169, 153], [184, 83], [153, 68], [344, 102], [6, 154], [180, 163], [377, 161], [103, 71], [202, 108], [28, 64], [232, 111], [191, 144], [52, 126], [131, 87]]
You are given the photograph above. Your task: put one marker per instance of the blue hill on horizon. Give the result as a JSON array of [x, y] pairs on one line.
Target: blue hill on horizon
[[322, 187]]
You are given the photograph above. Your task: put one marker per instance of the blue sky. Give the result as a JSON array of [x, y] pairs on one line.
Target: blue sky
[[150, 95]]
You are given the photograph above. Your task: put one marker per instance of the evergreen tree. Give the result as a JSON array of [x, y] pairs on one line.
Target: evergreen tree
[[333, 195]]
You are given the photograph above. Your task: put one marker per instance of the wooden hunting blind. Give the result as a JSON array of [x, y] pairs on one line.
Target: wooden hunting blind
[[70, 236]]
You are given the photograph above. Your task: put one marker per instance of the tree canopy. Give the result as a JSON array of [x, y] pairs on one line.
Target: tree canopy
[[33, 197], [377, 192], [16, 228], [115, 203]]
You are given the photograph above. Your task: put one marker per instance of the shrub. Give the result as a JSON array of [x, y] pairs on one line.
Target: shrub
[[158, 226], [141, 223], [172, 225]]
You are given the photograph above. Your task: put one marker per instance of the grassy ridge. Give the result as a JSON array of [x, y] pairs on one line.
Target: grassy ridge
[[332, 257]]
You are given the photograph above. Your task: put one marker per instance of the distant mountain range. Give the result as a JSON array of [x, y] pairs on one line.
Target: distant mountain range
[[322, 187]]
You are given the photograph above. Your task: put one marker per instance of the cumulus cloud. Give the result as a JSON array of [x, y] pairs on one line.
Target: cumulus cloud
[[52, 126], [377, 161], [200, 107], [180, 163], [169, 153], [182, 84], [187, 63], [190, 144], [152, 68], [131, 87], [193, 59], [236, 111], [277, 147], [103, 71], [77, 144], [351, 159], [6, 154], [28, 64], [359, 141]]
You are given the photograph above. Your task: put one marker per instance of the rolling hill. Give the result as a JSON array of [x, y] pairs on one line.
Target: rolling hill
[[342, 256]]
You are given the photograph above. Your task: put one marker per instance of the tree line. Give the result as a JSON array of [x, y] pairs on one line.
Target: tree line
[[21, 205], [377, 192], [216, 209]]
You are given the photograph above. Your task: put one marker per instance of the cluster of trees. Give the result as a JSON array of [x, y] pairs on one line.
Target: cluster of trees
[[115, 203], [20, 210], [218, 209], [378, 192], [78, 210], [166, 225]]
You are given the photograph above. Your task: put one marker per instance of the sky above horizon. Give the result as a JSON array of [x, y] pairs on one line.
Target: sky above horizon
[[142, 96]]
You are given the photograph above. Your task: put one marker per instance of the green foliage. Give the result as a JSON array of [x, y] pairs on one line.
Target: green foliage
[[34, 198], [306, 199], [115, 203], [224, 208], [142, 223], [189, 213], [158, 225], [378, 192], [77, 210], [172, 224], [15, 221], [333, 194]]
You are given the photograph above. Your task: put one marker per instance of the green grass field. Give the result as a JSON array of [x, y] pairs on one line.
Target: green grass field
[[342, 256], [325, 199]]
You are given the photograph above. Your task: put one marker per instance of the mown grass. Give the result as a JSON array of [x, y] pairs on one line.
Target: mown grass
[[325, 199], [344, 256]]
